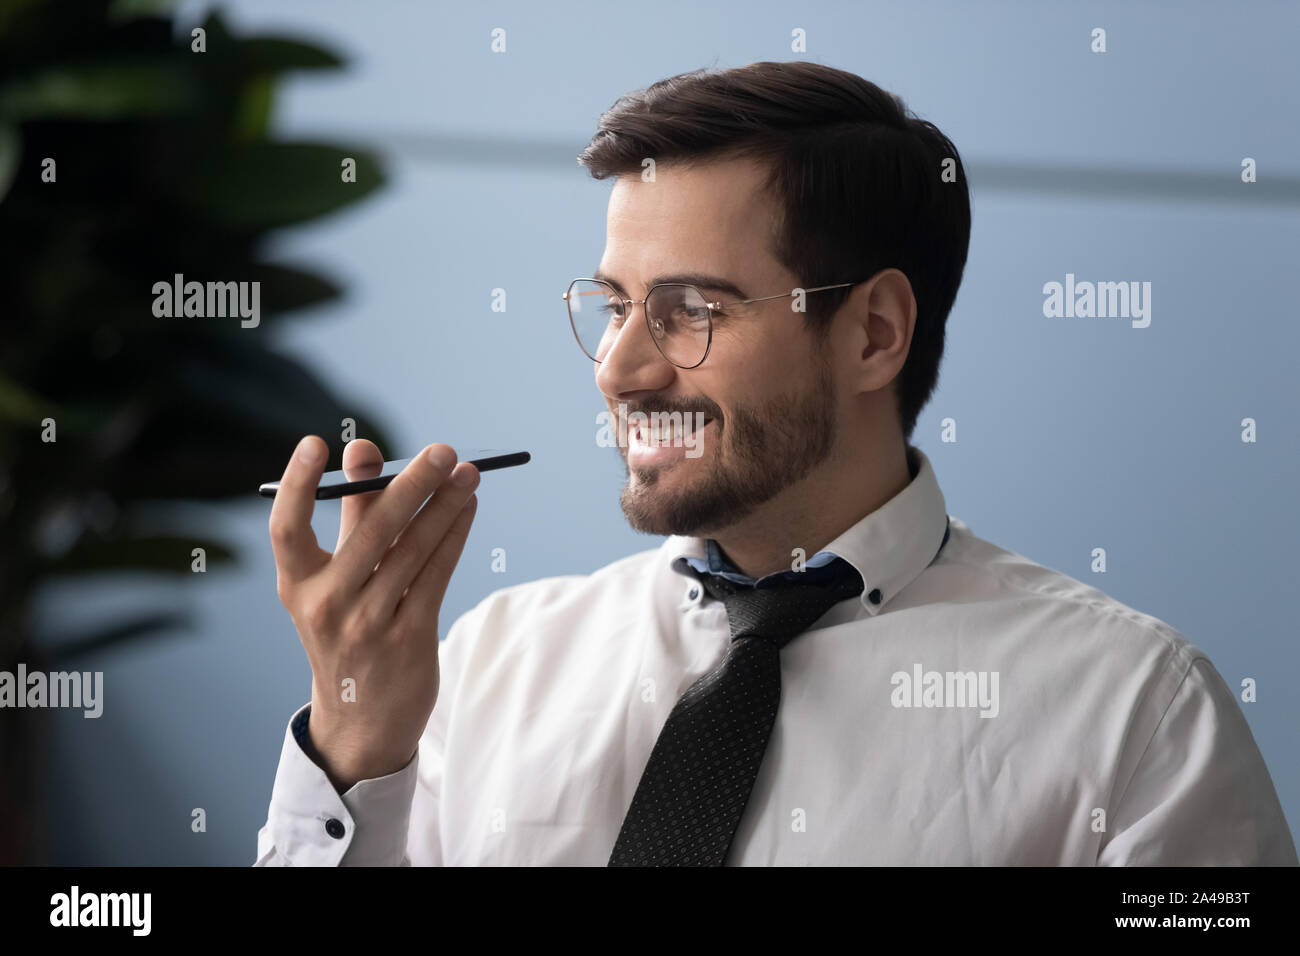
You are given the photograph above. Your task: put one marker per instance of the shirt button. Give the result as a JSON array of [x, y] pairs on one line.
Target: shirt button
[[874, 596], [334, 828]]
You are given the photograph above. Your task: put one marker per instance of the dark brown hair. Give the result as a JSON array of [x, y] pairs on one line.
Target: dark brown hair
[[856, 177]]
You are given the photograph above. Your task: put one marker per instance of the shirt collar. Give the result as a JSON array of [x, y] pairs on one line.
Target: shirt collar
[[889, 547]]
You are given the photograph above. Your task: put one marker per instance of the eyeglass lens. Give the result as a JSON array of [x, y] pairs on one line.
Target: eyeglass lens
[[677, 316]]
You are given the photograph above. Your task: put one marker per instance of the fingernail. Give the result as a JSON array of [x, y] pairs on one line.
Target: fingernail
[[441, 456], [309, 451]]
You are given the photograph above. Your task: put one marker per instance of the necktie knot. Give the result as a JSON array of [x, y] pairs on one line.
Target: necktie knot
[[781, 613]]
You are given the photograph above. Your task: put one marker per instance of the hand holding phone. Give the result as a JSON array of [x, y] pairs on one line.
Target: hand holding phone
[[367, 615]]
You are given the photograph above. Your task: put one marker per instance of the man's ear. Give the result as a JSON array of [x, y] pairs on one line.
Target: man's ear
[[881, 317]]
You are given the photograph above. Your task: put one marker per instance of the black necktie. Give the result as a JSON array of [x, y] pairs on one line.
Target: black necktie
[[700, 774]]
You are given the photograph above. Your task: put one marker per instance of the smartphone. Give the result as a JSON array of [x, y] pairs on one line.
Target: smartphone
[[336, 484]]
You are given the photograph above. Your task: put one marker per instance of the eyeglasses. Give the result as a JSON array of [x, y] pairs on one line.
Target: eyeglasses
[[680, 318]]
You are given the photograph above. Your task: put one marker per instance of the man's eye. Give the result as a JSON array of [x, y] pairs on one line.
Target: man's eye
[[700, 318]]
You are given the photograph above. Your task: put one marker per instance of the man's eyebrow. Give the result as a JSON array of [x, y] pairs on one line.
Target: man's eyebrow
[[709, 283]]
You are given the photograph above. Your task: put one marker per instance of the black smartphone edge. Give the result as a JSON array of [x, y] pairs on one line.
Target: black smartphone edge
[[269, 488]]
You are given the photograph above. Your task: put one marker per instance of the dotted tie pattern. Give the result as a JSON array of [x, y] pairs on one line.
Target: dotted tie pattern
[[700, 774]]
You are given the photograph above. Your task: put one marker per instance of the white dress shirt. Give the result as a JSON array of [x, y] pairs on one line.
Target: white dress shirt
[[1089, 734]]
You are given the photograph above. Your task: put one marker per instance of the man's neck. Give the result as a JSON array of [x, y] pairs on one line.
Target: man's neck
[[813, 512]]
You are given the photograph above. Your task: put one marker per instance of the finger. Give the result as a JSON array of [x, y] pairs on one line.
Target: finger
[[386, 516], [423, 600], [418, 540], [361, 459], [293, 542]]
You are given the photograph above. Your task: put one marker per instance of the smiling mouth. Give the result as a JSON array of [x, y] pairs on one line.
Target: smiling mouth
[[667, 431]]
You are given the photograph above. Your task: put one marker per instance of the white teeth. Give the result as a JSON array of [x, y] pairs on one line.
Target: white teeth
[[665, 431]]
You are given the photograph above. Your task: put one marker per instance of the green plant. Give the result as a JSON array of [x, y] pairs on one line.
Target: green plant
[[163, 165]]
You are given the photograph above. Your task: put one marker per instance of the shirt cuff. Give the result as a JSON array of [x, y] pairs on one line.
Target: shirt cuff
[[311, 824]]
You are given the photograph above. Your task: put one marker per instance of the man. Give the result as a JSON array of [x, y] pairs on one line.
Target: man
[[819, 666]]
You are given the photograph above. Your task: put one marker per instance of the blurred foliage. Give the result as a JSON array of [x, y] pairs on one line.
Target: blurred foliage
[[163, 167]]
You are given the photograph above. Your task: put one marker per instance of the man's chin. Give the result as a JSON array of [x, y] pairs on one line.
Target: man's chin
[[655, 509], [649, 521], [679, 496], [663, 484]]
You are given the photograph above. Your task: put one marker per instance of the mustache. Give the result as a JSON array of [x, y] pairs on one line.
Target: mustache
[[708, 409]]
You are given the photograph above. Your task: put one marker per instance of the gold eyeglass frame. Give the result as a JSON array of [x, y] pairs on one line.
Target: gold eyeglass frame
[[711, 306]]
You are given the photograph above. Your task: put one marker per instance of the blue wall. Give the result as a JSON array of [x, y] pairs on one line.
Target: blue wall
[[1072, 434]]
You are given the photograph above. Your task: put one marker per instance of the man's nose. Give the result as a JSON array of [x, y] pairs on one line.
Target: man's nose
[[633, 362]]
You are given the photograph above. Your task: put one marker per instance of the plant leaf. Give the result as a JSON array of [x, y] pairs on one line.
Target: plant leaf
[[125, 551], [280, 53], [110, 89], [266, 185], [19, 405], [11, 150], [68, 650]]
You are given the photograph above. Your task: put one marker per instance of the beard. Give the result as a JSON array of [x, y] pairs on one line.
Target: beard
[[760, 451]]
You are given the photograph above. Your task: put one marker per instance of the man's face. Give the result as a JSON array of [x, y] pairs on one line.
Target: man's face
[[765, 389]]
